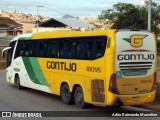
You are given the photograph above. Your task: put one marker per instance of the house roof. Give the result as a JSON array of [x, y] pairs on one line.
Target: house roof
[[61, 22], [9, 22]]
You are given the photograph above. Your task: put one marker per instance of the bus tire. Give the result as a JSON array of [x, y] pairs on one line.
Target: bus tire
[[66, 95], [79, 98], [17, 81]]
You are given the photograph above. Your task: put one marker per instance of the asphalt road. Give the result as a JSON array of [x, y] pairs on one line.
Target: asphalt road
[[12, 99]]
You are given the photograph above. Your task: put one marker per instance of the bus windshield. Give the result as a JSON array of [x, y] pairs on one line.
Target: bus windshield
[[10, 53]]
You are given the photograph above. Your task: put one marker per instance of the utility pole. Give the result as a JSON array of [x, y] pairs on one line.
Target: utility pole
[[37, 19], [149, 14]]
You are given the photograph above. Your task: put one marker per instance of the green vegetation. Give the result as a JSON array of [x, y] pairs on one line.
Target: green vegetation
[[2, 24], [3, 65], [0, 53], [2, 61], [129, 16], [158, 93]]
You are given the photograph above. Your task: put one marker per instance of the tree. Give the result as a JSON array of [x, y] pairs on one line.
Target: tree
[[2, 24], [129, 16]]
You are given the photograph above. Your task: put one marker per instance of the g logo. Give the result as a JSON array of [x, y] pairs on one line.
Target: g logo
[[137, 40]]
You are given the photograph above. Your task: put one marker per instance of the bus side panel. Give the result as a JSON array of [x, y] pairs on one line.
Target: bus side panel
[[110, 69], [84, 73], [100, 96], [30, 74], [55, 74], [56, 80]]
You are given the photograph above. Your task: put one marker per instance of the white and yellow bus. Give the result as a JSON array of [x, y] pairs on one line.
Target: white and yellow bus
[[104, 67]]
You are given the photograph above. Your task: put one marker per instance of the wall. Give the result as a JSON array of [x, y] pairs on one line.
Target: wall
[[28, 27], [41, 29]]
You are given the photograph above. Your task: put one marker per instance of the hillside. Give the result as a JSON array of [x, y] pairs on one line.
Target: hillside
[[21, 17]]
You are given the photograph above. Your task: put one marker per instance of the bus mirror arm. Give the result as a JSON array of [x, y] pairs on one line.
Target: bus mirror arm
[[4, 51]]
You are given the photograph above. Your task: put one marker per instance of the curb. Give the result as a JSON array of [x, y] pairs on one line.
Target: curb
[[149, 107]]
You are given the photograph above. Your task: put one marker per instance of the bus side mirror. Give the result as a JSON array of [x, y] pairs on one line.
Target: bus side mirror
[[3, 54], [4, 51]]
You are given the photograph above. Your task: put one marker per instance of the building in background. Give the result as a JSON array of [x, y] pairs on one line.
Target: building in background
[[28, 27], [10, 28], [63, 24]]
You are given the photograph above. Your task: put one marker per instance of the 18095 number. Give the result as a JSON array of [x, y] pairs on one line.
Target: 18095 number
[[94, 69]]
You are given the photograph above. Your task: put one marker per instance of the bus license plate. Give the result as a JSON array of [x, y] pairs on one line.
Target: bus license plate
[[136, 98]]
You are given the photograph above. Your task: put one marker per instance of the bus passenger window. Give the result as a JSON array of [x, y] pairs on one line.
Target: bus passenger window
[[101, 46], [60, 49], [32, 49], [94, 48], [53, 47], [26, 49], [73, 49], [45, 46], [86, 48], [83, 49], [65, 50], [41, 48], [22, 48], [68, 49], [78, 49]]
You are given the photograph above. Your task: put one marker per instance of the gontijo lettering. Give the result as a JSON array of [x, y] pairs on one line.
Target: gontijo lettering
[[136, 57], [62, 66]]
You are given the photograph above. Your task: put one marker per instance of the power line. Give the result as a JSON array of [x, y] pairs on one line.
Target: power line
[[54, 10], [58, 11]]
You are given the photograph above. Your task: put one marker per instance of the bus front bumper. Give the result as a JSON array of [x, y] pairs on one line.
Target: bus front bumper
[[114, 99]]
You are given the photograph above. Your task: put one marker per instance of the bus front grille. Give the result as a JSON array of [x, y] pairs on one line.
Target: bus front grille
[[97, 89], [135, 68]]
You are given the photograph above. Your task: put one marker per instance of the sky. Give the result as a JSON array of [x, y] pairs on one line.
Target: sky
[[58, 8]]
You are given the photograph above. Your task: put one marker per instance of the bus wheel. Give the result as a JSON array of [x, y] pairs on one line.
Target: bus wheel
[[79, 98], [66, 95], [17, 81]]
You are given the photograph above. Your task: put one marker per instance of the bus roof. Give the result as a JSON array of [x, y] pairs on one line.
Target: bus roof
[[62, 34], [28, 35]]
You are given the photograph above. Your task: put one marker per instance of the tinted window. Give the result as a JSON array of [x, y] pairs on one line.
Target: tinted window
[[41, 48], [32, 48], [26, 48], [53, 52], [84, 48], [91, 47], [101, 46], [10, 53]]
